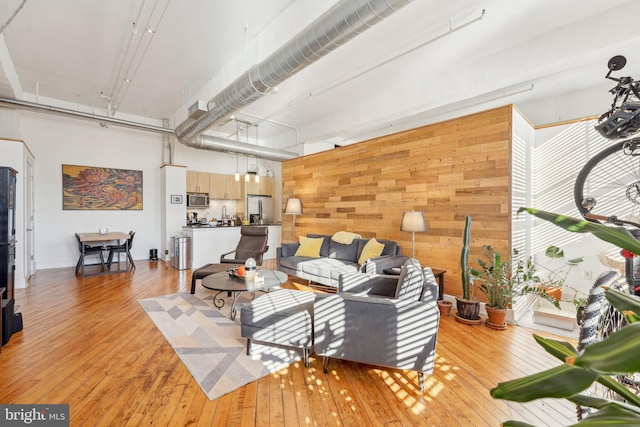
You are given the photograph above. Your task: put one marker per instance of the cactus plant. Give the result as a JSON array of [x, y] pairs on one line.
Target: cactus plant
[[468, 306], [464, 260]]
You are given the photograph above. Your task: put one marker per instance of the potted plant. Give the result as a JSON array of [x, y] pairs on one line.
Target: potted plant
[[550, 286], [444, 307], [498, 280], [555, 278], [468, 307]]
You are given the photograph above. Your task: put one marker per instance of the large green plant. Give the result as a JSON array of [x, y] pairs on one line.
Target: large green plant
[[615, 355], [498, 278]]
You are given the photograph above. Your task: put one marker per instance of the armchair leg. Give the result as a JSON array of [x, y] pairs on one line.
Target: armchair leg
[[193, 283], [421, 381], [305, 355], [248, 346], [325, 364]]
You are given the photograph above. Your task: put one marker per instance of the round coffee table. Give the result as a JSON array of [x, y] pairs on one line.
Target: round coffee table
[[234, 286]]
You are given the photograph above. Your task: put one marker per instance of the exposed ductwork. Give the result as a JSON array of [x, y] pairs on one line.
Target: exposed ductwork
[[345, 20], [207, 142], [204, 142]]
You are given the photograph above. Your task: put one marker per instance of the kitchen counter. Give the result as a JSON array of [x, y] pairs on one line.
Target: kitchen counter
[[209, 243], [196, 227]]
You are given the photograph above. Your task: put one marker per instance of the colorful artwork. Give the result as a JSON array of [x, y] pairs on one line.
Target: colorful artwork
[[92, 188]]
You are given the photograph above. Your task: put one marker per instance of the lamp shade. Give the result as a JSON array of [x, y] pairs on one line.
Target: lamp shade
[[413, 221], [294, 206]]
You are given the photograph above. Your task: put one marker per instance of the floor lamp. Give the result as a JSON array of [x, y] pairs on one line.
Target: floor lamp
[[293, 207], [414, 222]]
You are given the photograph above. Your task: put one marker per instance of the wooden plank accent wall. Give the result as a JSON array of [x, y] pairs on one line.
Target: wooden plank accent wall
[[448, 170]]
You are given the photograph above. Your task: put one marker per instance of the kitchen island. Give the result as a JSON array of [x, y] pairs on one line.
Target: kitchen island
[[209, 243]]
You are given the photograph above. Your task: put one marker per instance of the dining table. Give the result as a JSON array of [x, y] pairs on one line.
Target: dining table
[[103, 239]]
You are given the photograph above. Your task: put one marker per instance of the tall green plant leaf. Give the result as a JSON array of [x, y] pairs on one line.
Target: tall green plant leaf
[[619, 236], [618, 354], [559, 349], [624, 303], [561, 381]]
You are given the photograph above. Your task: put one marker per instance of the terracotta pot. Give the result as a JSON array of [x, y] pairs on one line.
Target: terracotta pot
[[496, 317], [553, 292], [468, 309], [444, 307]]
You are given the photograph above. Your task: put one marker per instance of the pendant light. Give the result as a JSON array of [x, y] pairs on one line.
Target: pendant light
[[237, 174]]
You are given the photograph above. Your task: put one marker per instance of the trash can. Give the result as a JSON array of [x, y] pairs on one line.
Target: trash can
[[181, 252]]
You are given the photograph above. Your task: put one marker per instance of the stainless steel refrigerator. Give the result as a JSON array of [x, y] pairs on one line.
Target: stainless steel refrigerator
[[260, 209]]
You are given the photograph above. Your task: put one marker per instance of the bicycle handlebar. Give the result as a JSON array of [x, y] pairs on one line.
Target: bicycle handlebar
[[610, 219]]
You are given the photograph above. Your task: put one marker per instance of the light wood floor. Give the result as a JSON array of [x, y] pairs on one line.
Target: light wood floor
[[87, 342]]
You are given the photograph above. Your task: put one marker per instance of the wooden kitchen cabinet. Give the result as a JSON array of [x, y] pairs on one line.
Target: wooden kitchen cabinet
[[224, 187], [197, 182], [266, 186], [234, 189]]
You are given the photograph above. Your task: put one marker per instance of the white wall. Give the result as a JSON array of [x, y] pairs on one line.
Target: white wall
[[56, 140], [173, 182]]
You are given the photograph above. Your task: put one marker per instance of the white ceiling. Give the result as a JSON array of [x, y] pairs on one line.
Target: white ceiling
[[547, 56]]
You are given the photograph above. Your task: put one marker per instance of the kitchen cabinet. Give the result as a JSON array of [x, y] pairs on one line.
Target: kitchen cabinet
[[266, 186], [224, 187], [197, 182]]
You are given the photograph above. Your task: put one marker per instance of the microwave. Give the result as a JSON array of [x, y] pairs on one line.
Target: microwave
[[197, 200]]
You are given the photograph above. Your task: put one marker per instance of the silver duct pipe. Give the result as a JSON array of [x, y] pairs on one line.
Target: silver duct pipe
[[207, 142], [345, 20], [204, 142], [41, 108]]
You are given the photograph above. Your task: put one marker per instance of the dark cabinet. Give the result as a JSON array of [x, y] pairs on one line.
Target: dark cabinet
[[7, 231]]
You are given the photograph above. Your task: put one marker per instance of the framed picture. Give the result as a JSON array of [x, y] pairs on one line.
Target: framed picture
[[94, 188], [176, 199]]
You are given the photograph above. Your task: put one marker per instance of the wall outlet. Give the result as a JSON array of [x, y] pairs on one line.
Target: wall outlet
[[587, 274]]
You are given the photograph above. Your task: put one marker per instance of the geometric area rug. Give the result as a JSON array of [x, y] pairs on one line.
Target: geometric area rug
[[209, 343]]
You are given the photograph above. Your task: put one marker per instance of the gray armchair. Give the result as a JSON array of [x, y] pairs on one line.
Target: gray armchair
[[381, 320]]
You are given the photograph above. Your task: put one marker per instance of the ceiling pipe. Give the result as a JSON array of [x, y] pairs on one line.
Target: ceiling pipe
[[205, 142], [42, 108], [345, 20]]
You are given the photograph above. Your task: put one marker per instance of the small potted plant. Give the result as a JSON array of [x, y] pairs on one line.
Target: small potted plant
[[555, 278], [444, 307]]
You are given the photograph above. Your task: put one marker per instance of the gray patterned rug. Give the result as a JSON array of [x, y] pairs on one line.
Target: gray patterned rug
[[209, 343]]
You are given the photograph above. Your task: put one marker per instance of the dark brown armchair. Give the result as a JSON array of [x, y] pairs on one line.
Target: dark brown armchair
[[252, 244]]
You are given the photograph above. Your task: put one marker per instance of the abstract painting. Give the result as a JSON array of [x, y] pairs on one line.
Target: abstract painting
[[94, 188]]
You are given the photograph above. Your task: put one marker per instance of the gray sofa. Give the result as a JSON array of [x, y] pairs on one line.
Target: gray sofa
[[335, 259]]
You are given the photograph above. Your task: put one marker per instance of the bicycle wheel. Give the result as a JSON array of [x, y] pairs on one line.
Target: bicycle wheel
[[601, 319], [610, 181]]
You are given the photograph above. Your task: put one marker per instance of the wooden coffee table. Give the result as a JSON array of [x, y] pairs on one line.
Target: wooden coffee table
[[234, 286]]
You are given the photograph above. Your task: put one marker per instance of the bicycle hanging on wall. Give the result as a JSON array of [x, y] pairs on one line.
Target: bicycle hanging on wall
[[610, 182]]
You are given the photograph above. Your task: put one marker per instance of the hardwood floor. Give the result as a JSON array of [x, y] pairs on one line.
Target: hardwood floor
[[87, 342]]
